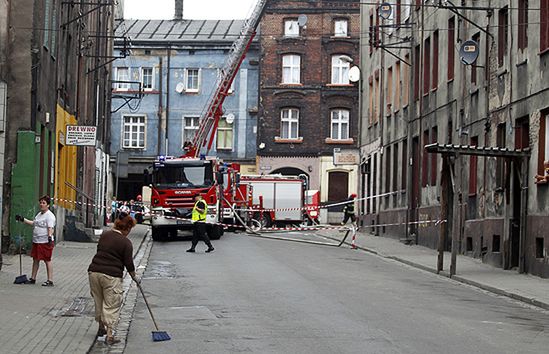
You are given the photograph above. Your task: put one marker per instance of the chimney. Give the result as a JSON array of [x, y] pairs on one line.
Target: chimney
[[178, 10]]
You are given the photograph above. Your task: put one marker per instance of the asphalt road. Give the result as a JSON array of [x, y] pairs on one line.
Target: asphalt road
[[257, 295]]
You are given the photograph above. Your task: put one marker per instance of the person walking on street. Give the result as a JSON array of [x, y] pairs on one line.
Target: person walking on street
[[114, 253], [42, 239], [349, 210], [199, 213]]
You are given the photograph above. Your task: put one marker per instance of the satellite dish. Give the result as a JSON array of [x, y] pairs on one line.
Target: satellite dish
[[302, 20], [385, 10], [180, 87], [468, 52], [230, 118], [354, 74]]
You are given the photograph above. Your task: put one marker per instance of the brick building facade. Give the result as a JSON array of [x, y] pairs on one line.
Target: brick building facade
[[308, 106]]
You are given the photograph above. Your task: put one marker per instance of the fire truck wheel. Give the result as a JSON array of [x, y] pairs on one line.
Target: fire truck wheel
[[157, 234], [215, 232], [264, 221]]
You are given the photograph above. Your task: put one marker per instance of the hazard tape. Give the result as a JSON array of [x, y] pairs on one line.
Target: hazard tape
[[436, 222]]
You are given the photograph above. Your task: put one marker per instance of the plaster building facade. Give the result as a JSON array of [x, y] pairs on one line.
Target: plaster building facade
[[417, 91], [308, 104], [56, 73], [177, 64]]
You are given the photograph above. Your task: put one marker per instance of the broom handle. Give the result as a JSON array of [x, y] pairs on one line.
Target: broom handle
[[20, 260], [147, 303]]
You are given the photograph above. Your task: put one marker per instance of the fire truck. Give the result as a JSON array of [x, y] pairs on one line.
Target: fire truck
[[174, 181], [281, 200]]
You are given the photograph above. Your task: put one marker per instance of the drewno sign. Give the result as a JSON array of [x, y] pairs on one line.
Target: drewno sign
[[80, 135]]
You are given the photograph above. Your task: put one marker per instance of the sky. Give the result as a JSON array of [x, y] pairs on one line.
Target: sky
[[192, 9]]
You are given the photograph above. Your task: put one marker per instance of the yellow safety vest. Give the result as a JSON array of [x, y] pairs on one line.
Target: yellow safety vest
[[199, 216]]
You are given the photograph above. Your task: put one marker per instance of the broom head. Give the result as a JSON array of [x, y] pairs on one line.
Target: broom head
[[20, 279], [159, 336]]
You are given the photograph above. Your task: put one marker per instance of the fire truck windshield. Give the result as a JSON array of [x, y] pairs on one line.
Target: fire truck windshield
[[172, 176]]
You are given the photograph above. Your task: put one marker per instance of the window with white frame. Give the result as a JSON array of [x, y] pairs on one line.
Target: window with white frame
[[134, 132], [340, 71], [123, 74], [291, 69], [340, 124], [224, 135], [192, 80], [291, 28], [340, 28], [289, 123], [190, 126], [147, 79]]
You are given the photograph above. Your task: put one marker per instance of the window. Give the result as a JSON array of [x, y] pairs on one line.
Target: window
[[473, 159], [123, 74], [417, 58], [434, 169], [371, 43], [406, 81], [340, 124], [376, 99], [395, 168], [192, 80], [543, 142], [387, 177], [544, 26], [434, 82], [291, 69], [371, 94], [503, 33], [398, 17], [398, 88], [340, 28], [425, 158], [426, 66], [500, 162], [404, 176], [476, 38], [147, 79], [451, 49], [522, 24], [224, 135], [389, 95], [340, 71], [189, 128], [289, 123], [134, 132], [291, 28], [47, 23]]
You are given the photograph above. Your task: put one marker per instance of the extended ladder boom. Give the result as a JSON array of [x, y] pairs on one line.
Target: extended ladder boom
[[209, 119]]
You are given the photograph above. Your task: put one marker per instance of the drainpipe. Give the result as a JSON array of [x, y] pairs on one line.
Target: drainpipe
[[167, 121], [160, 100]]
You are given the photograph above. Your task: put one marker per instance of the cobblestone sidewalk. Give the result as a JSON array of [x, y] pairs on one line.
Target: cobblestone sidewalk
[[58, 319]]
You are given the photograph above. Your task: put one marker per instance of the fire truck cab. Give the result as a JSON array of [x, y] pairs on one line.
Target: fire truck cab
[[174, 184]]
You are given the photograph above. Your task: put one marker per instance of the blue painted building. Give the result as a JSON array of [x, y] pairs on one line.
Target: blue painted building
[[175, 65]]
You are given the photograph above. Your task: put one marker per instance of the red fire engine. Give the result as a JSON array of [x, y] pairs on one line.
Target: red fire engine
[[175, 181]]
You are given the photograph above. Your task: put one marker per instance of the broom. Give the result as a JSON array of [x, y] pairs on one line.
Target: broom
[[21, 278], [157, 336]]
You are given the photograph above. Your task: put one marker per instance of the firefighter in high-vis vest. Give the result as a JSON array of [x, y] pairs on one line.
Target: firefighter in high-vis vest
[[200, 210]]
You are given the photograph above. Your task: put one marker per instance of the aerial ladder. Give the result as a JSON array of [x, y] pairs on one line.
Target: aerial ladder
[[209, 119]]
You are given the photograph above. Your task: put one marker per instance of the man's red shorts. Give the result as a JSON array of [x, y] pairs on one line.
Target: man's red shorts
[[42, 251]]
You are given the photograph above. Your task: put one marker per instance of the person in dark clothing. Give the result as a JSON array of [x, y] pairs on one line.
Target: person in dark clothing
[[349, 210], [114, 253], [200, 210]]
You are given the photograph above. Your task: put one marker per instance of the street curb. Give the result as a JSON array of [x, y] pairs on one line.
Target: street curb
[[456, 278], [129, 301]]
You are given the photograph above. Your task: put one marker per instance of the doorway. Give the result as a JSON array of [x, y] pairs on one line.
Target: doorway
[[338, 188]]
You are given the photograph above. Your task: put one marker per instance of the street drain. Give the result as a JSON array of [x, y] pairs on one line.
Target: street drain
[[160, 270], [77, 308]]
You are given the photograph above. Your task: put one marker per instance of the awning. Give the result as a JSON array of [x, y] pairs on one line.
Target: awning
[[450, 149]]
